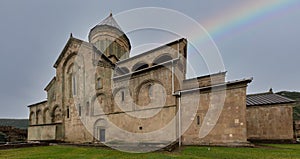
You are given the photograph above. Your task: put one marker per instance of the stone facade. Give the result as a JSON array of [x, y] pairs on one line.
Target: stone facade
[[269, 118], [229, 127], [270, 122], [99, 94]]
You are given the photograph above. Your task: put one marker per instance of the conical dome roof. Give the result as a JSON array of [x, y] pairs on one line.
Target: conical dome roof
[[108, 37], [110, 21]]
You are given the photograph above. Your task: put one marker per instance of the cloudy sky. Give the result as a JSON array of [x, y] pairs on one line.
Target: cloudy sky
[[256, 38]]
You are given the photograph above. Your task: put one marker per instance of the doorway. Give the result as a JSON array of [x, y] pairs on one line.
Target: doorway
[[101, 134]]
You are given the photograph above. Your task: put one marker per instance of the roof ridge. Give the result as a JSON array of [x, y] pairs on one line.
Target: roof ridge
[[152, 49], [263, 93], [284, 97]]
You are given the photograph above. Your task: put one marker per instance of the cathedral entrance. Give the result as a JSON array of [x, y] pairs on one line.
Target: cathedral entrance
[[101, 133], [100, 130]]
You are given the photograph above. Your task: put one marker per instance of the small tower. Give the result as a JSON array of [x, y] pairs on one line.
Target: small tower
[[109, 38]]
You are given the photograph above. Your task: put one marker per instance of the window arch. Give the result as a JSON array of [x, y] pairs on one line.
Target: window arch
[[32, 118], [162, 59], [73, 84], [39, 117], [57, 116], [150, 90], [123, 99], [123, 70], [99, 129], [72, 80], [139, 66], [99, 83], [151, 94], [47, 117], [99, 104]]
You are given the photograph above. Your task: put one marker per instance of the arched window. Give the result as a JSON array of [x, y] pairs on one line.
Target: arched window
[[99, 83], [102, 45], [123, 70], [57, 114], [74, 83], [151, 94], [122, 96], [47, 117], [32, 118], [150, 90], [139, 66], [162, 59], [39, 117], [98, 105], [72, 80]]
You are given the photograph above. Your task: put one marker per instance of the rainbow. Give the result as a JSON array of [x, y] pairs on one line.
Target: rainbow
[[238, 18], [246, 15]]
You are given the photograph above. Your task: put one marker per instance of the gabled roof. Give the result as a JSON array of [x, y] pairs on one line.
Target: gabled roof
[[35, 104], [70, 41], [268, 98], [61, 55], [50, 84], [110, 21], [152, 50]]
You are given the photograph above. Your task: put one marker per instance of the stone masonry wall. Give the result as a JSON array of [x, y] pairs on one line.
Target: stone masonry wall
[[228, 128], [273, 122]]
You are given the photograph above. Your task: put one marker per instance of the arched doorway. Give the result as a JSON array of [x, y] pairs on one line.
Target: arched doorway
[[100, 130]]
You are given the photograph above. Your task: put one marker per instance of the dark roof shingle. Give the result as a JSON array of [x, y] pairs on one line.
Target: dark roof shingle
[[267, 99]]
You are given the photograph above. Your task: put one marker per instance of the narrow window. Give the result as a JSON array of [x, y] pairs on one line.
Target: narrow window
[[198, 120], [115, 49], [68, 112], [70, 85], [99, 83], [87, 108], [123, 96], [150, 91], [53, 96], [101, 46], [74, 84], [79, 110]]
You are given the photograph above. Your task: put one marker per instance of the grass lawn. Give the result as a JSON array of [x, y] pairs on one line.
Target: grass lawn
[[65, 152]]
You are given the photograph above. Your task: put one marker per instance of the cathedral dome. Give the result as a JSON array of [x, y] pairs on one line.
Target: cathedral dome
[[109, 38]]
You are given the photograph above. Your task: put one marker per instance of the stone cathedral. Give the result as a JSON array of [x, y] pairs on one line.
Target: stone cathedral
[[102, 95]]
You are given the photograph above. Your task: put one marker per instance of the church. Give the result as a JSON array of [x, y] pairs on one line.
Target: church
[[100, 94]]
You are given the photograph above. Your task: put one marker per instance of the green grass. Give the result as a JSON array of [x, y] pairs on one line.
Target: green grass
[[65, 152]]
